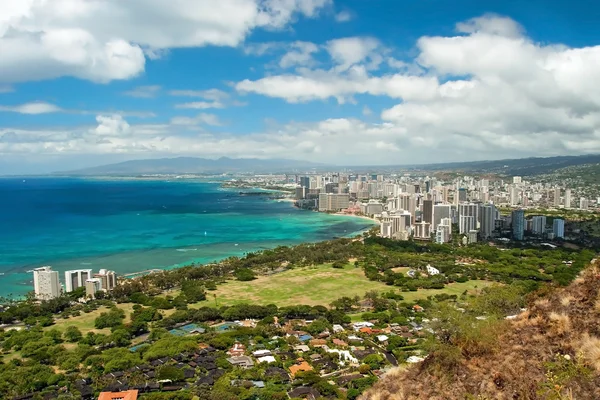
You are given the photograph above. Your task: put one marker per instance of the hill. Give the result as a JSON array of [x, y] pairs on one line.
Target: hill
[[550, 351], [195, 165]]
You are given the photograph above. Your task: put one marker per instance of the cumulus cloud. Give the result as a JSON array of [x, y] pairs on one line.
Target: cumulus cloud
[[347, 52], [299, 55], [109, 40], [490, 90]]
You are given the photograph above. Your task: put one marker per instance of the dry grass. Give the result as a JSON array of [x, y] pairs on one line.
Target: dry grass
[[560, 323], [565, 322], [590, 349]]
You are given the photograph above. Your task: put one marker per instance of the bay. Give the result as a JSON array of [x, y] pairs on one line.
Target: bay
[[134, 225]]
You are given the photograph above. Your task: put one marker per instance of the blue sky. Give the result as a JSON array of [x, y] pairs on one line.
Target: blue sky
[[85, 83]]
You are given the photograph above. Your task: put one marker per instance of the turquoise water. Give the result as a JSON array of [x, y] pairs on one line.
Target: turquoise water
[[134, 225]]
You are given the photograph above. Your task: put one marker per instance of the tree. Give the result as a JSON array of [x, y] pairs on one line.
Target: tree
[[245, 274], [169, 372], [72, 334], [110, 319]]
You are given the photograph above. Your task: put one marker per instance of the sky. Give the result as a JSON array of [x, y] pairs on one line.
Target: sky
[[346, 82]]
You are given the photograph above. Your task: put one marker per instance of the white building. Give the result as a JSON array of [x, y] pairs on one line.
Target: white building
[[440, 211], [583, 203], [76, 278], [568, 198], [466, 224], [108, 279], [333, 201], [46, 284], [432, 271]]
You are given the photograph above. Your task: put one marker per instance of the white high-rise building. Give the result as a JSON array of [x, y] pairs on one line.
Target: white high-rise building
[[423, 230], [583, 203], [107, 278], [443, 233], [539, 225], [466, 224], [76, 278], [556, 197], [468, 210], [395, 225], [46, 284], [514, 196], [93, 286], [568, 198], [517, 180]]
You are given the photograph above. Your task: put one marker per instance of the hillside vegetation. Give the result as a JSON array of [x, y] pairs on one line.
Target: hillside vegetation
[[549, 351]]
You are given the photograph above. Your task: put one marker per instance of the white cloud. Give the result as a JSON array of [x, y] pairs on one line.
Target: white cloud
[[6, 89], [107, 40], [488, 92], [200, 105], [32, 108], [144, 92], [347, 52], [210, 94], [299, 55], [366, 111], [203, 118], [343, 16]]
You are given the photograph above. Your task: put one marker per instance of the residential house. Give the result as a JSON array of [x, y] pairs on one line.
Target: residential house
[[127, 395], [339, 343], [300, 366], [237, 350], [338, 328], [241, 361], [318, 342], [304, 392]]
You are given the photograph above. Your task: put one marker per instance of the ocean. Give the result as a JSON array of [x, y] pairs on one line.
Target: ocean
[[134, 225]]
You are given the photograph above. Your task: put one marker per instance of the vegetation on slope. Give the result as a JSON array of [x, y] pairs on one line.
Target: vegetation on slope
[[549, 351]]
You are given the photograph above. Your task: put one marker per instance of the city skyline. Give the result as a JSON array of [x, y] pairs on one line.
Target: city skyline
[[267, 78]]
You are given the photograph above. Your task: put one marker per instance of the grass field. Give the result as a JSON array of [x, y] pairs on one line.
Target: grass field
[[85, 322], [314, 286]]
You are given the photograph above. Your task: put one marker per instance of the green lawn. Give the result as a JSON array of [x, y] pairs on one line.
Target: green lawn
[[314, 286], [318, 285], [85, 322]]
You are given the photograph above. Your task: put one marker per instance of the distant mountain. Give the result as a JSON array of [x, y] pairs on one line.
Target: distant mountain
[[520, 166], [193, 165]]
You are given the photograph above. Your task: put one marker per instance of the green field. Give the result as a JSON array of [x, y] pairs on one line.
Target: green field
[[314, 286], [85, 322]]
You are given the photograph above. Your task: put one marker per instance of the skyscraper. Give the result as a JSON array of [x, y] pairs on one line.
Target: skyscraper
[[558, 228], [556, 197], [539, 225], [488, 220], [428, 211], [440, 211], [468, 210], [583, 203], [568, 198], [46, 284], [518, 224], [76, 279]]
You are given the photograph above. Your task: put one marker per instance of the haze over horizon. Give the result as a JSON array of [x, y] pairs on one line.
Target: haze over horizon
[[337, 82]]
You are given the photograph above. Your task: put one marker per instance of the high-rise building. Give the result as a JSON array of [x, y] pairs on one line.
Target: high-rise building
[[305, 182], [443, 233], [518, 224], [423, 230], [556, 197], [583, 203], [514, 196], [107, 278], [46, 284], [558, 228], [539, 225], [333, 201], [466, 223], [93, 286], [468, 210], [488, 220], [396, 224], [568, 198], [440, 211], [428, 211], [462, 195], [517, 180], [76, 278]]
